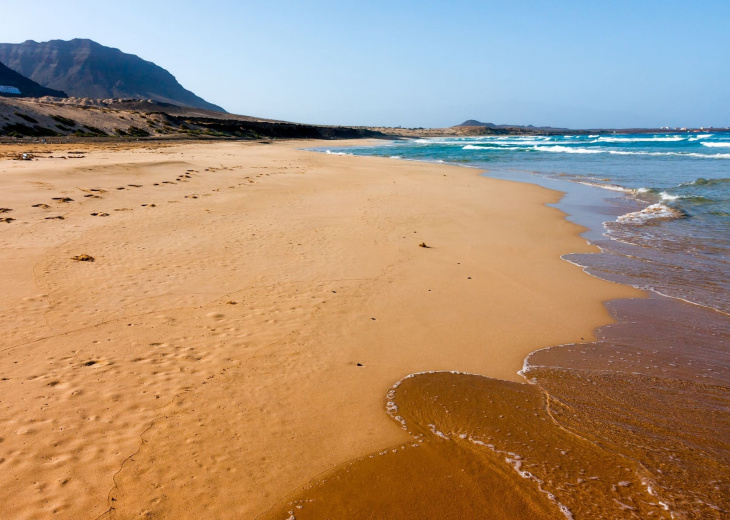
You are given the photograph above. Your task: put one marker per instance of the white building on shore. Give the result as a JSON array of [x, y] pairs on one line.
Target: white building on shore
[[4, 89]]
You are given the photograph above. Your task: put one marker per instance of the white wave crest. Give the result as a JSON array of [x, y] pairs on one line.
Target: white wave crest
[[655, 211], [610, 187], [640, 139], [681, 154], [668, 196], [716, 145], [523, 142], [565, 149], [486, 147]]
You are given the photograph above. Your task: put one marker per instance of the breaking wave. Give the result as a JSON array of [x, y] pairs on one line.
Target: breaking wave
[[640, 139], [651, 213]]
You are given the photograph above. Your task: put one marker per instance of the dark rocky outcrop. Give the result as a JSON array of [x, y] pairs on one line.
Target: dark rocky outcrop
[[27, 87], [271, 129], [85, 69]]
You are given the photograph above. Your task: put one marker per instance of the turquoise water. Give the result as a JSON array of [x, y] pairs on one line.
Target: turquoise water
[[658, 205]]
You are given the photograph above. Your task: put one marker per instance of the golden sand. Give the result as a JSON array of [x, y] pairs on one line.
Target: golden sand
[[246, 310]]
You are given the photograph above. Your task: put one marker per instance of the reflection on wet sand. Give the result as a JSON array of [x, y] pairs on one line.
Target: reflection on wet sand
[[634, 425]]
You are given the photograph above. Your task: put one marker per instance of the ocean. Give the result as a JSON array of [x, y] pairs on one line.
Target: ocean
[[659, 207], [632, 425]]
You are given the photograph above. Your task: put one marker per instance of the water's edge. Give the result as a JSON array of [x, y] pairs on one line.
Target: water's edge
[[645, 396]]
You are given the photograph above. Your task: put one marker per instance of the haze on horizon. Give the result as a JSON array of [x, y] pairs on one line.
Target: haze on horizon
[[427, 64]]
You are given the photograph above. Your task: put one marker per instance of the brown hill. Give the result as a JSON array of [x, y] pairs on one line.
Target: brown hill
[[133, 118]]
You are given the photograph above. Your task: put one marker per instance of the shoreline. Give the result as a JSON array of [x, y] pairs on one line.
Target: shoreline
[[333, 283], [658, 370]]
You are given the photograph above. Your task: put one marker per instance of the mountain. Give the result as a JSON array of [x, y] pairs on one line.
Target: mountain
[[11, 80], [85, 69], [474, 122]]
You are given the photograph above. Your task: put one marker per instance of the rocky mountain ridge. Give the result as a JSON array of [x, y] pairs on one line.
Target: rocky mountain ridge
[[85, 69]]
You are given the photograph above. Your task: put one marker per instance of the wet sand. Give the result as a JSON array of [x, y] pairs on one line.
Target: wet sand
[[633, 425], [247, 309]]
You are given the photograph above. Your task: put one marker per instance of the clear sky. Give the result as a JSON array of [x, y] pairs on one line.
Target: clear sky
[[421, 63]]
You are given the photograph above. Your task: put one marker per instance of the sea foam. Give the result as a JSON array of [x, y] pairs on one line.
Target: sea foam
[[716, 145], [565, 149], [668, 196], [640, 139], [654, 212]]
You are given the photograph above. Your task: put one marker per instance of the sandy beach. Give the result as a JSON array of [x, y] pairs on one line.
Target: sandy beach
[[244, 309]]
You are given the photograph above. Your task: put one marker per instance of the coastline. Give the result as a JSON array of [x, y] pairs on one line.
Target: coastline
[[645, 396], [243, 402]]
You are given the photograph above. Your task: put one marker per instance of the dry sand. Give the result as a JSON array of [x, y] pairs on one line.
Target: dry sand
[[205, 364]]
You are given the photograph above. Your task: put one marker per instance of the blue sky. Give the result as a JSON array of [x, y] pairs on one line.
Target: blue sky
[[427, 63]]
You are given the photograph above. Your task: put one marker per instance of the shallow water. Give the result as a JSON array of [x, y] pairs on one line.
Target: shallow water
[[655, 388], [633, 425]]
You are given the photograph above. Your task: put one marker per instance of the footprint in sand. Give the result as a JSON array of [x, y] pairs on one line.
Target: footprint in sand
[[59, 217], [100, 214], [135, 185], [7, 220], [63, 199], [5, 210], [44, 206], [83, 258], [91, 195]]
